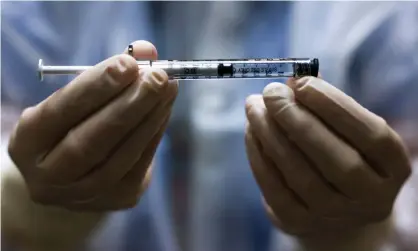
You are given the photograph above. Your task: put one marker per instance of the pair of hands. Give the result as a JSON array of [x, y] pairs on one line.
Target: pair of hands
[[322, 161]]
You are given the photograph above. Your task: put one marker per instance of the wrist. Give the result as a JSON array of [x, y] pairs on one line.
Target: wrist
[[32, 226], [372, 237]]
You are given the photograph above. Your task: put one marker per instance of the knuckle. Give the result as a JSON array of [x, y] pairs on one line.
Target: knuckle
[[396, 138], [291, 230], [74, 147], [277, 203], [353, 169], [86, 191], [105, 179], [248, 128], [172, 89], [385, 142], [298, 227], [323, 206], [26, 130], [381, 134], [151, 84], [134, 94], [407, 172], [404, 165], [305, 125], [160, 75], [12, 149], [117, 72], [132, 202], [27, 114], [308, 188], [39, 195], [283, 108], [24, 121], [334, 205], [305, 183], [126, 63], [381, 214], [292, 223], [128, 203]]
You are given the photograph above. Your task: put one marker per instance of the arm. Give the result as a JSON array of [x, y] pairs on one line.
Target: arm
[[30, 226]]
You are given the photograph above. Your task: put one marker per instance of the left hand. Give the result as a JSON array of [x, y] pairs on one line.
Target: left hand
[[323, 162]]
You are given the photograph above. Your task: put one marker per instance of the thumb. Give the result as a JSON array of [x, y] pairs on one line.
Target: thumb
[[277, 97]]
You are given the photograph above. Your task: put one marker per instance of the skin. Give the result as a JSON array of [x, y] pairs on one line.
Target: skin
[[324, 163], [89, 146]]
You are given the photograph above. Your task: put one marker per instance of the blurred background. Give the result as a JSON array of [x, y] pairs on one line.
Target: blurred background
[[203, 196]]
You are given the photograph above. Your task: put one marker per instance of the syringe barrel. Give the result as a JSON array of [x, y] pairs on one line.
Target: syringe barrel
[[214, 69], [249, 68]]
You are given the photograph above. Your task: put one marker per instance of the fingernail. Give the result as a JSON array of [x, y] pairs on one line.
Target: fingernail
[[278, 90], [121, 66], [120, 70], [157, 79]]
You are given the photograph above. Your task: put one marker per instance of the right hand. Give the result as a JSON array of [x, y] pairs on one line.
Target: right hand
[[90, 145]]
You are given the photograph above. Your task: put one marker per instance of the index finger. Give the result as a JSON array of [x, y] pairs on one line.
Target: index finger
[[43, 126], [363, 129]]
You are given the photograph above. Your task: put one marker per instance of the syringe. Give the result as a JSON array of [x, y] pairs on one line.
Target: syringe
[[213, 69]]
